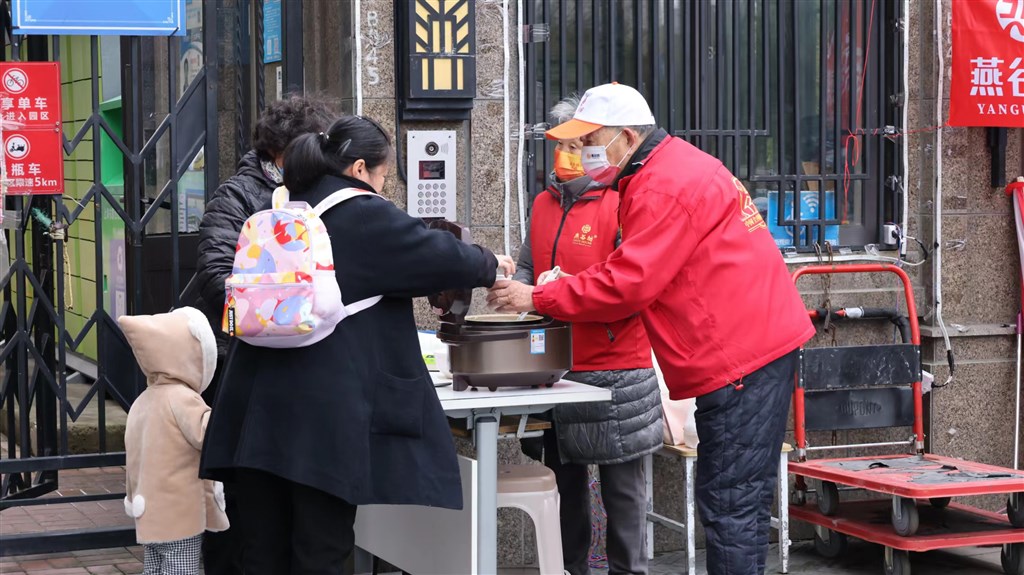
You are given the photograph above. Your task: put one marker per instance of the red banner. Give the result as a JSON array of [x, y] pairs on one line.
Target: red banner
[[32, 135], [988, 64]]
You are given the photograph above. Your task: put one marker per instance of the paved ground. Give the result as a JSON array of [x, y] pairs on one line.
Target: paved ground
[[58, 517], [95, 562], [861, 559]]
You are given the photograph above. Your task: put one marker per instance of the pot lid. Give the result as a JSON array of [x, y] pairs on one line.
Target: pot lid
[[503, 319]]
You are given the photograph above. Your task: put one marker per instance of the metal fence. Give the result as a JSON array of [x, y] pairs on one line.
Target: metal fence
[[166, 119], [790, 94]]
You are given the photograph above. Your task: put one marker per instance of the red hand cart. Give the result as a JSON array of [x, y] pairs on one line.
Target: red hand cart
[[879, 386]]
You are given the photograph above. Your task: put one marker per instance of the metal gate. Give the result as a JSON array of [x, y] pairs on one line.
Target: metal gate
[[155, 129], [790, 94]]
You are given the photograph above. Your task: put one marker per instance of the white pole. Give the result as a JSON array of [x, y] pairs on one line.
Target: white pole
[[904, 127], [521, 180], [507, 132], [1019, 221], [937, 267], [358, 9]]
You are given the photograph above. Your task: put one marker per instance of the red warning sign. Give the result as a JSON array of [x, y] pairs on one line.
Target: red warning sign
[[30, 111], [35, 162], [15, 81]]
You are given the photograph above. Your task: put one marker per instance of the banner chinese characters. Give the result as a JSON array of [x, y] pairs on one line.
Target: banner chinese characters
[[988, 64]]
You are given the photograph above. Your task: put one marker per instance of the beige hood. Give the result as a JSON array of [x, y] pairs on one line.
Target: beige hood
[[176, 347]]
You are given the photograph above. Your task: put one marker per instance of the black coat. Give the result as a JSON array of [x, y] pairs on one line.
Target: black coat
[[237, 198], [355, 415]]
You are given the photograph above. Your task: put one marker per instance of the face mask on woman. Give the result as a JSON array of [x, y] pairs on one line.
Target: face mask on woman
[[273, 171], [568, 166]]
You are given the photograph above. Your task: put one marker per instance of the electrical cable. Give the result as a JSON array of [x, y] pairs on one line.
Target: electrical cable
[[852, 137], [937, 267]]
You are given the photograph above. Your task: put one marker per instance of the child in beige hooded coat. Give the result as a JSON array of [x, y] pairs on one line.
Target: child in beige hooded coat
[[172, 507]]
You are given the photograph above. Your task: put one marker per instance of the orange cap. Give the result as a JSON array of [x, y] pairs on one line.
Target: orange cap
[[572, 129]]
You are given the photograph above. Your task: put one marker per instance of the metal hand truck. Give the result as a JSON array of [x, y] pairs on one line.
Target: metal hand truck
[[879, 386]]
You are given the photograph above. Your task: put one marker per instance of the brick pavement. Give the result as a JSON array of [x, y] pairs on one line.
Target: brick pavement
[[122, 561], [861, 560], [68, 516], [64, 516]]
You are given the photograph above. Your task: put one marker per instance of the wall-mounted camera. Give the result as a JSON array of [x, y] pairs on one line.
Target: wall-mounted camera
[[432, 149]]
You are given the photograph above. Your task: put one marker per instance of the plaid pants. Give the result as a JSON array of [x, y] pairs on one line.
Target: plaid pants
[[174, 558]]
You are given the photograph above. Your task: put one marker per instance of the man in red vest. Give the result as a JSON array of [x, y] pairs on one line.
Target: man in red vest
[[574, 224], [698, 264]]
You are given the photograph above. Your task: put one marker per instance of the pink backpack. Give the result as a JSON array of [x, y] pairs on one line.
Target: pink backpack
[[282, 292]]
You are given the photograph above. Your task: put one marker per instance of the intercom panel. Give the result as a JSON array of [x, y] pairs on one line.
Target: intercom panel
[[430, 173]]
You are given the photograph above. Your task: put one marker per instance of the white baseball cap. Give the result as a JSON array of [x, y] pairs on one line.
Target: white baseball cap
[[607, 105]]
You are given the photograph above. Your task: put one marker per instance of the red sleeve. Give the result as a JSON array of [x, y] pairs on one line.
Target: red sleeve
[[658, 240]]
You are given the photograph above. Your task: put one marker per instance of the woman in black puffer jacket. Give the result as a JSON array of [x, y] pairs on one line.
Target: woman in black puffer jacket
[[237, 198]]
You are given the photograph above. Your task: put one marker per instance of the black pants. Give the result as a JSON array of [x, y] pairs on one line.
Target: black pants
[[291, 529], [741, 428], [222, 551], [625, 501]]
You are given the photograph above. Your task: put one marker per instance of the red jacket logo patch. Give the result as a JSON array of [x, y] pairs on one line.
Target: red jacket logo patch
[[584, 237], [748, 211]]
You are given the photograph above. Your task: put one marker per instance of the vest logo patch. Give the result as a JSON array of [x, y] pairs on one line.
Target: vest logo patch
[[584, 237], [748, 211]]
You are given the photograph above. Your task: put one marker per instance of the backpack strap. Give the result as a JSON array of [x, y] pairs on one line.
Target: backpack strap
[[354, 308], [337, 198], [280, 198], [321, 208]]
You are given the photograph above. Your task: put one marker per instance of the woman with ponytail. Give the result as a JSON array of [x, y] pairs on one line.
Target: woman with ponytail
[[308, 434]]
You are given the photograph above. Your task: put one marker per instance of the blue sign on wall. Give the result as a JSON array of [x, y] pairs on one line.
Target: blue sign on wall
[[100, 17], [809, 210], [271, 31]]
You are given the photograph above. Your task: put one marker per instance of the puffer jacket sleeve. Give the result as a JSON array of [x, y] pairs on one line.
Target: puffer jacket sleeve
[[218, 236], [524, 267]]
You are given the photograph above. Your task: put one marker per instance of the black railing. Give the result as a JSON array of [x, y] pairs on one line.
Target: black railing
[[38, 338], [790, 94]]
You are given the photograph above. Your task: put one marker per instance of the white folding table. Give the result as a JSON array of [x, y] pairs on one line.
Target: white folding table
[[482, 411]]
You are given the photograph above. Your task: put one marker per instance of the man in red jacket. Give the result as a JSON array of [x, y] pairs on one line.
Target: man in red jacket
[[725, 320]]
